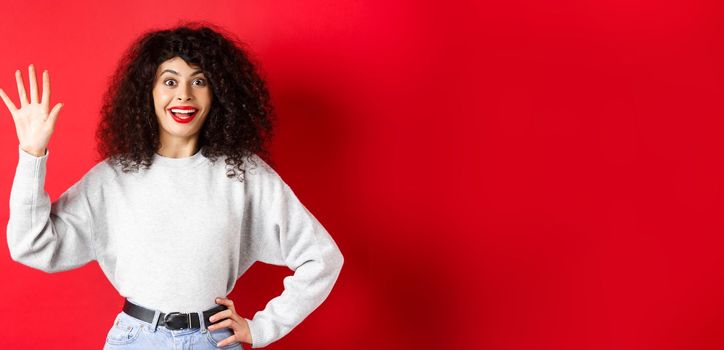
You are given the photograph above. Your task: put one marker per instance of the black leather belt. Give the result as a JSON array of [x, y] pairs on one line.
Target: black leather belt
[[173, 320]]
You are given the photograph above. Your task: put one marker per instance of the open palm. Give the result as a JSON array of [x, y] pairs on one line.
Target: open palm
[[34, 121]]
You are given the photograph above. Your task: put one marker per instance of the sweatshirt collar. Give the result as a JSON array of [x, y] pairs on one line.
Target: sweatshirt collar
[[182, 162]]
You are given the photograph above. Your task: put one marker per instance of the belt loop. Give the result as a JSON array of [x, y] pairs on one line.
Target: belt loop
[[154, 323], [202, 322]]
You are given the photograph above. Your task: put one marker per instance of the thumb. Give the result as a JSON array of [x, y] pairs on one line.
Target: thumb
[[53, 116]]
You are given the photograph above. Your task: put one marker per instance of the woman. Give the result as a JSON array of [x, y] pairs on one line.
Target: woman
[[170, 225]]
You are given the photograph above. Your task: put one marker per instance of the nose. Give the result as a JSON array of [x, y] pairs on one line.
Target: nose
[[184, 94]]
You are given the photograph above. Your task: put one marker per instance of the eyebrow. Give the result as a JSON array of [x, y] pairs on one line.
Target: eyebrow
[[174, 72]]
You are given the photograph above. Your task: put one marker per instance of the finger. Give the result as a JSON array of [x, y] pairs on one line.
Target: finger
[[224, 301], [46, 88], [223, 324], [53, 116], [8, 103], [33, 84], [220, 315], [21, 88], [227, 341]]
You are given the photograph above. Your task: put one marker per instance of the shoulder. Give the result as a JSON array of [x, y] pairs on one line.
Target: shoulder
[[256, 167], [261, 178]]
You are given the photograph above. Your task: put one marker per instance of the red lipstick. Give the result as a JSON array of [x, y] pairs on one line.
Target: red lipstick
[[181, 116]]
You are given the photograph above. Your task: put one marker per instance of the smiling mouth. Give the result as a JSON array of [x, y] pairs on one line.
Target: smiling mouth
[[183, 115]]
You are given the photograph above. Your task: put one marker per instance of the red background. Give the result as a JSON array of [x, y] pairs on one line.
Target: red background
[[499, 175]]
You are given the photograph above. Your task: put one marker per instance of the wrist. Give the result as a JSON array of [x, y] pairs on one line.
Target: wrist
[[33, 152], [247, 336]]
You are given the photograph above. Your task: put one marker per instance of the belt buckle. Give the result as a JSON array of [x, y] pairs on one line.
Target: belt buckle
[[176, 322]]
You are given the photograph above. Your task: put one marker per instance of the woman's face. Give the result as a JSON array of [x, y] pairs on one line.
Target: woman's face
[[181, 99]]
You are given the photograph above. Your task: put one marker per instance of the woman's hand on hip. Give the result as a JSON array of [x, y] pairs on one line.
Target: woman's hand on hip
[[34, 121], [230, 320]]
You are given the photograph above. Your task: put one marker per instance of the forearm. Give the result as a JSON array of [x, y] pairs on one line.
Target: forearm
[[37, 236], [304, 291], [27, 203]]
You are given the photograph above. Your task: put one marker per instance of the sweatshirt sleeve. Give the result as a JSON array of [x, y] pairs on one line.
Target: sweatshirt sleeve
[[287, 234], [47, 236]]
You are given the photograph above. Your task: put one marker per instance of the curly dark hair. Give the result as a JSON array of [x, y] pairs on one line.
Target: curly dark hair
[[241, 117]]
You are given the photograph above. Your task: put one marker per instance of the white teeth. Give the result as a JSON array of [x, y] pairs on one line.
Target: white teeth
[[183, 111]]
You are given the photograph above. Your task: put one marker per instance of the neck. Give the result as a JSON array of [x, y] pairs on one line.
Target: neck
[[178, 149]]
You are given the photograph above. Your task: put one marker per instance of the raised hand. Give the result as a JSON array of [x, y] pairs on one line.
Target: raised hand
[[34, 123]]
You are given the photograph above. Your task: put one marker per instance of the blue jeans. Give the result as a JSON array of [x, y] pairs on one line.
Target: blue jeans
[[130, 333]]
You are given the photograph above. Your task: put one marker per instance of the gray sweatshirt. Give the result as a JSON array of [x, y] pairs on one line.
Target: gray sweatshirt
[[178, 235]]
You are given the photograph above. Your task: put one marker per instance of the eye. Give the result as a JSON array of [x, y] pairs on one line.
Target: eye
[[201, 82], [167, 81]]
